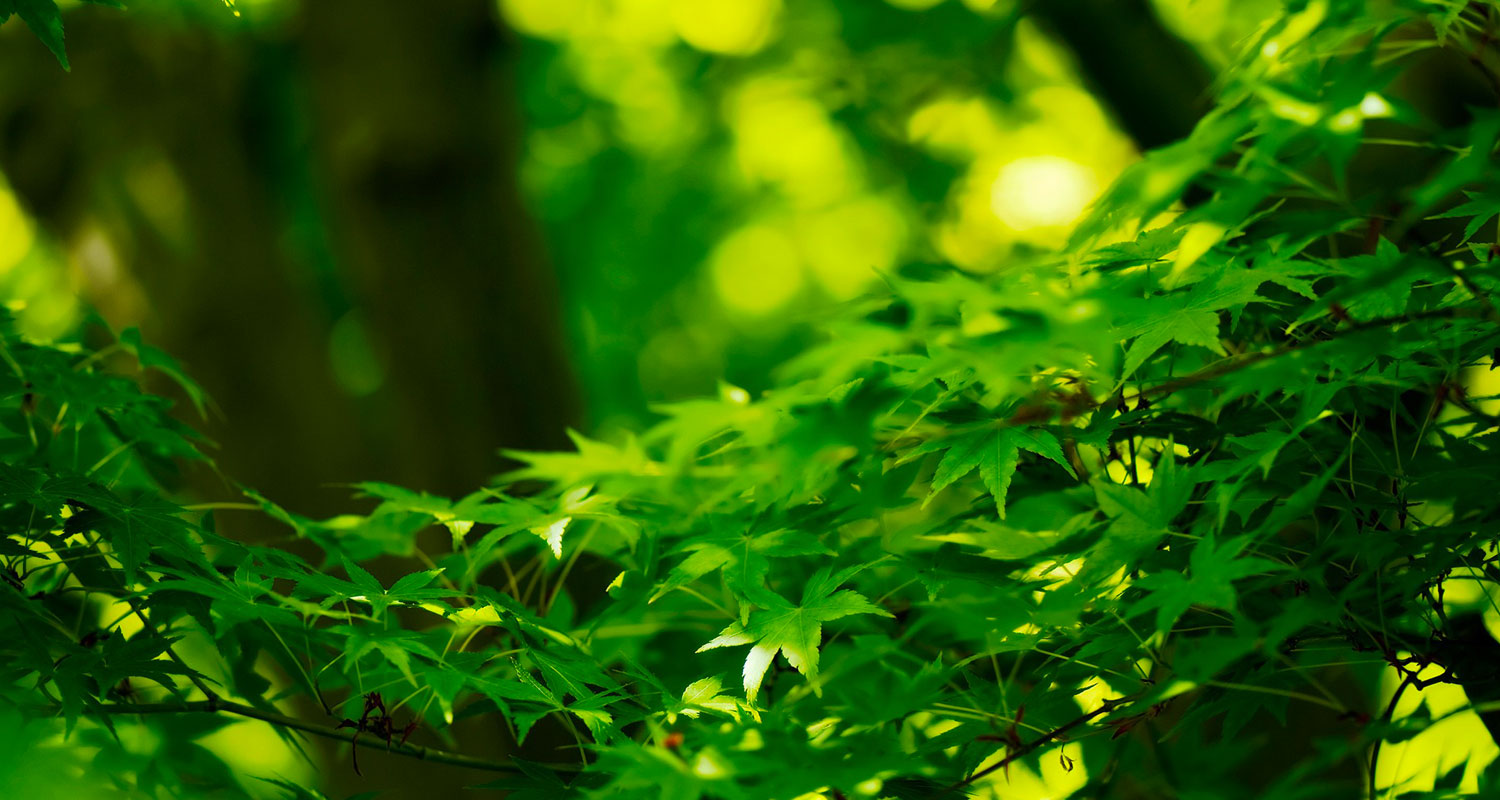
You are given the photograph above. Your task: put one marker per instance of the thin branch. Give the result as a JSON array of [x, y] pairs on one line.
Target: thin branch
[[1227, 366], [433, 754], [1303, 696], [211, 697], [1027, 416], [1390, 711], [1034, 745]]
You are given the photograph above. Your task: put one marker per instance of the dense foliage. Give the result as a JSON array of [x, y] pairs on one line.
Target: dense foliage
[[1193, 507]]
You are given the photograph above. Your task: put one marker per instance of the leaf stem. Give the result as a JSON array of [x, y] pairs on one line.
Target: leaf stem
[[1248, 687], [1390, 711], [211, 697]]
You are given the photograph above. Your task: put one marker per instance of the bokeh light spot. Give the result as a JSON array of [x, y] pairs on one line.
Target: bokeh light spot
[[1042, 191], [955, 126], [849, 245], [782, 137], [1374, 106], [756, 269], [15, 231], [547, 19], [254, 748], [727, 27], [1194, 20]]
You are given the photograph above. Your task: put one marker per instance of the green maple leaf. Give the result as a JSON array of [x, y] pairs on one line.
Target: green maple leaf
[[704, 695], [48, 493], [1184, 325], [154, 358], [139, 526], [1209, 581], [995, 453], [44, 20], [1481, 207], [1469, 164], [459, 518], [137, 657], [795, 631], [744, 557], [1138, 520], [589, 462], [1190, 318]]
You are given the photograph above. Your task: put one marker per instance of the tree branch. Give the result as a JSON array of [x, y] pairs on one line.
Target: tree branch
[[1390, 711], [223, 706], [1034, 745], [1154, 84], [1228, 366], [1034, 414]]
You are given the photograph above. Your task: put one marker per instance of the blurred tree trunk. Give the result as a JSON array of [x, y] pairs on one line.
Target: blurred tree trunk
[[238, 194], [1155, 85]]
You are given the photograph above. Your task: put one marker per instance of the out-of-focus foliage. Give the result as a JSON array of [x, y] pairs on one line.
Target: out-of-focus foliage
[[1197, 502], [713, 173], [30, 278]]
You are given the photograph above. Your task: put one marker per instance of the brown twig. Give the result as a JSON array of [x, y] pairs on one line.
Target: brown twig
[[1229, 366], [1035, 744], [222, 706]]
